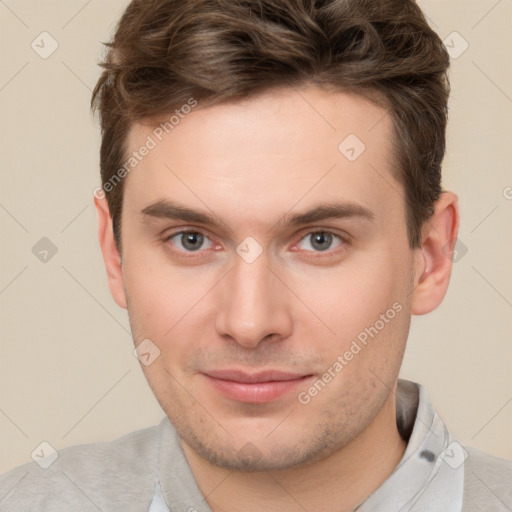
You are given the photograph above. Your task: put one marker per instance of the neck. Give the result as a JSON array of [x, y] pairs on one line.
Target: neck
[[338, 482]]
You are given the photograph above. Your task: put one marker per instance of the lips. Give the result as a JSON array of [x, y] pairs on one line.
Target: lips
[[254, 387]]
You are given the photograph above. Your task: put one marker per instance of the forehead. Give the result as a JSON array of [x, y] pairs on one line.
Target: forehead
[[267, 154]]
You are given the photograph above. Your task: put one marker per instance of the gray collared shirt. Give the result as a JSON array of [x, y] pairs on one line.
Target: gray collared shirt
[[147, 471]]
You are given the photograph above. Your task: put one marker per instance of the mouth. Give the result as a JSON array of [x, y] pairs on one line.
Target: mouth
[[254, 387]]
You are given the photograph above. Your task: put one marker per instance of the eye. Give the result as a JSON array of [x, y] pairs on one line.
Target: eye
[[320, 241], [189, 241]]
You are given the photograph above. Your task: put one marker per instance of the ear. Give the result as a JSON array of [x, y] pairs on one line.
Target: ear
[[111, 255], [433, 264]]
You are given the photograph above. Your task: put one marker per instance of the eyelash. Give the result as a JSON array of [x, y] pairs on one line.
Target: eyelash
[[344, 241]]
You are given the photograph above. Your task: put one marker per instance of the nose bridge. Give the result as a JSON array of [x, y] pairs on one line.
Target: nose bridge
[[251, 283], [254, 303]]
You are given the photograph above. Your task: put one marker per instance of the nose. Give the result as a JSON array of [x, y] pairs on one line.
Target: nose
[[254, 304]]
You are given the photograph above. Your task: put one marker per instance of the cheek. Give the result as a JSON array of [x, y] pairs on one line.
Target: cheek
[[367, 305], [351, 297], [155, 295], [168, 304]]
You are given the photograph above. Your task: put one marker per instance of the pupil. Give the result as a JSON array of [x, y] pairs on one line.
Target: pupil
[[193, 240], [322, 238]]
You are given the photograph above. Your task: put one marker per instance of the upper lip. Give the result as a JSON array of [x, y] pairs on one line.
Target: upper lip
[[254, 377]]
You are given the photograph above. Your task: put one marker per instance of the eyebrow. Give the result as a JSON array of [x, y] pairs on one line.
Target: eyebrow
[[166, 209]]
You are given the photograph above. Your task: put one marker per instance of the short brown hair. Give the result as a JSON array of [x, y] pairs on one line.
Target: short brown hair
[[165, 52]]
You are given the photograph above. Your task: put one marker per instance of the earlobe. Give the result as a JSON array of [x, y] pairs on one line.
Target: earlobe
[[111, 256], [434, 257]]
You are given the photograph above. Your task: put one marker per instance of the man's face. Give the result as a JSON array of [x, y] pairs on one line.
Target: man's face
[[244, 336]]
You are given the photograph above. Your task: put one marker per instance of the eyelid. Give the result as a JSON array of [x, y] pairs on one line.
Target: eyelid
[[180, 231]]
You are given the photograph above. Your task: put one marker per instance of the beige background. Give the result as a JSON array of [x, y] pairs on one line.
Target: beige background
[[67, 372]]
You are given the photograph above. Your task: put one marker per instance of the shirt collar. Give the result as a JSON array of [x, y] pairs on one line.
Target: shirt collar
[[430, 475]]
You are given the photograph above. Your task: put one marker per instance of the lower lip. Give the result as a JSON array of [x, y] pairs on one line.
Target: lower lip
[[258, 392]]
